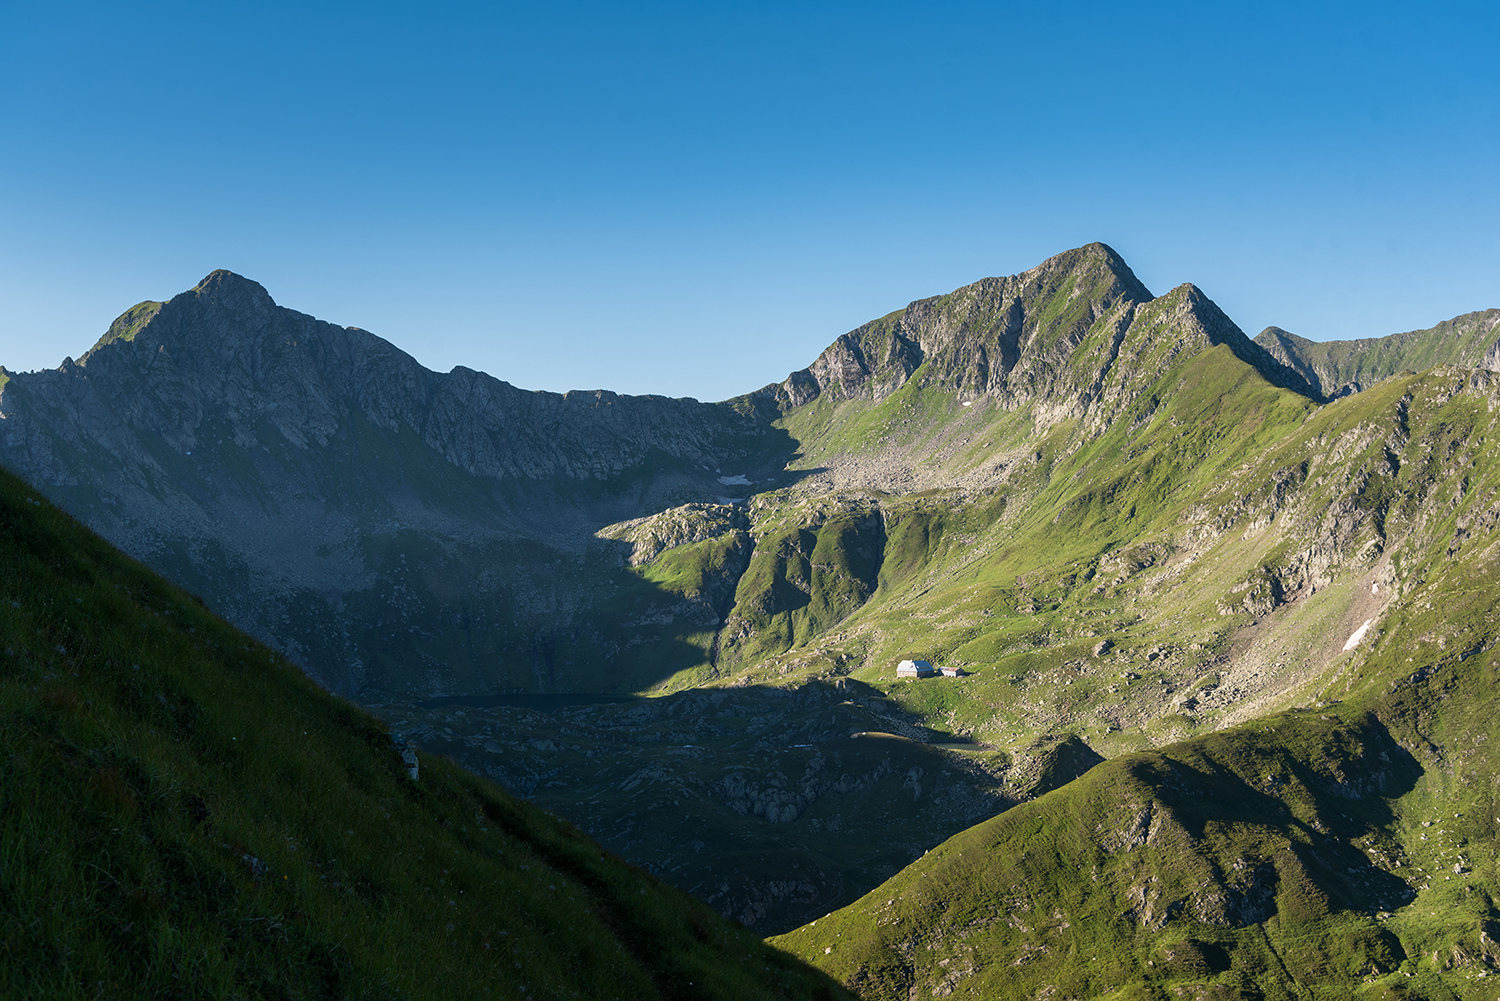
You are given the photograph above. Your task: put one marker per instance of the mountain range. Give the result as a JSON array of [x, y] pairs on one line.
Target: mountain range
[[1254, 579]]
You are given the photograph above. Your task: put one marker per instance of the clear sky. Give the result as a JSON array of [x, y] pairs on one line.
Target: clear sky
[[694, 199]]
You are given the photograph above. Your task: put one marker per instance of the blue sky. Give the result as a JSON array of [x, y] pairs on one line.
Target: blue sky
[[694, 199]]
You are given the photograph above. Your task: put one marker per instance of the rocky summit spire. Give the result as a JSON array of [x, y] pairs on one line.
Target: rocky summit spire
[[228, 303], [224, 285], [222, 306]]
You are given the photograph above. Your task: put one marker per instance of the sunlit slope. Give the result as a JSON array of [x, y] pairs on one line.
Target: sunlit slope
[[1203, 560], [184, 814], [1259, 859], [1346, 847], [1039, 562], [1132, 429], [1319, 853]]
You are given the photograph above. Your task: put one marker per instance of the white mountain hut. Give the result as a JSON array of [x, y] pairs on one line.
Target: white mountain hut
[[915, 669]]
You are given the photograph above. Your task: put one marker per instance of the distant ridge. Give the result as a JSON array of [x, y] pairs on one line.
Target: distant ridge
[[1338, 368]]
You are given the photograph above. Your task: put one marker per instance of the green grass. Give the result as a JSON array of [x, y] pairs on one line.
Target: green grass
[[184, 814], [129, 323], [1255, 862]]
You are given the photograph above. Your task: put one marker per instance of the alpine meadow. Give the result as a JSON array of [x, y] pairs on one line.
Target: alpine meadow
[[327, 675]]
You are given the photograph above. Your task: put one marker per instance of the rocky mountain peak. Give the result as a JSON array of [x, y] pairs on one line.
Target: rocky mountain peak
[[224, 309], [1093, 260], [1291, 351], [1276, 335], [223, 282], [228, 303], [998, 336], [1186, 320], [1050, 336]]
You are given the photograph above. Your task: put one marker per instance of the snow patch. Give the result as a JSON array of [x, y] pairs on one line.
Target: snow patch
[[735, 481], [1358, 635], [968, 403]]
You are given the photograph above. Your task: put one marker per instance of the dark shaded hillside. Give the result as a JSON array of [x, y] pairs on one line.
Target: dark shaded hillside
[[387, 527], [184, 814], [754, 799]]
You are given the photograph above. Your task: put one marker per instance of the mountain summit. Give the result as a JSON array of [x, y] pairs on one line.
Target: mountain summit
[[1051, 335]]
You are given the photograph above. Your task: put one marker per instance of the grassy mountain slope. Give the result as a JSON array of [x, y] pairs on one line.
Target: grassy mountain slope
[[1348, 846], [1203, 559], [1028, 576], [997, 466], [1313, 854], [184, 814], [1337, 368]]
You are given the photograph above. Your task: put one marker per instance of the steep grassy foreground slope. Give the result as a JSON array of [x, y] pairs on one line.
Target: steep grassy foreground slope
[[1344, 848], [183, 814]]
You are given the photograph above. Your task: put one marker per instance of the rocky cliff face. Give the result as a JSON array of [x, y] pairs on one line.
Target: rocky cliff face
[[1338, 368]]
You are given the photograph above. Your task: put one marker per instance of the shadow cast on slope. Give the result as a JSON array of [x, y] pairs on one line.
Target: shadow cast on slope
[[772, 805], [1297, 784]]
